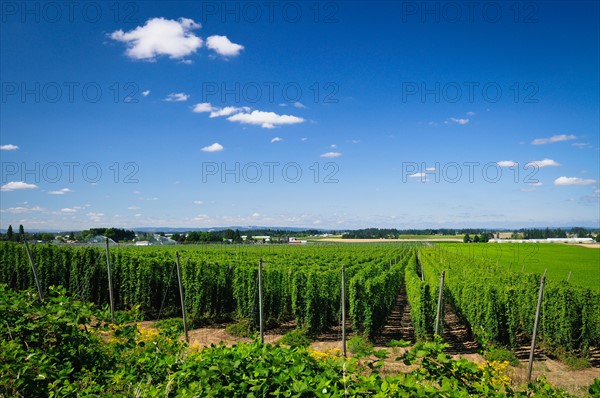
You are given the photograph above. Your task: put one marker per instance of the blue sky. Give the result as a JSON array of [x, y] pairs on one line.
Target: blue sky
[[327, 115]]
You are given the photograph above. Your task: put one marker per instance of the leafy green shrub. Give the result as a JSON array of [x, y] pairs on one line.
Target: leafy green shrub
[[296, 338], [360, 346], [239, 329], [500, 355], [172, 327], [594, 389]]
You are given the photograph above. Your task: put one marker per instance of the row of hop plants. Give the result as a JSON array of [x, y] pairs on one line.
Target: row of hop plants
[[299, 284], [61, 347], [502, 303]]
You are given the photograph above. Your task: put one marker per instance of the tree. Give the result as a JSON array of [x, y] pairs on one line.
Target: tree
[[598, 238], [476, 239], [21, 232], [467, 238], [9, 233]]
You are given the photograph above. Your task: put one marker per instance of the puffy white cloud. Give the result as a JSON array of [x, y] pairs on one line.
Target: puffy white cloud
[[553, 139], [266, 120], [203, 107], [146, 93], [16, 186], [331, 155], [223, 46], [542, 163], [459, 121], [177, 97], [573, 181], [276, 139], [60, 191], [68, 210], [298, 104], [160, 36], [22, 210], [216, 147], [8, 147], [96, 217], [228, 110], [507, 163]]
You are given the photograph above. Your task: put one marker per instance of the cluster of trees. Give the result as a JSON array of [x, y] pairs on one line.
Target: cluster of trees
[[12, 236], [393, 233], [116, 234], [534, 233], [483, 238]]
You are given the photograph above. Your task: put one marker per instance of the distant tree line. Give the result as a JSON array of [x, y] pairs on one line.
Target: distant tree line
[[482, 238], [535, 233], [393, 233], [20, 235], [116, 234]]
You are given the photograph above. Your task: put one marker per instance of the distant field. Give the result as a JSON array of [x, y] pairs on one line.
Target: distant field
[[559, 259], [402, 238]]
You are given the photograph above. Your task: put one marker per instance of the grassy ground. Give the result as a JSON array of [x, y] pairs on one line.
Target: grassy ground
[[559, 259]]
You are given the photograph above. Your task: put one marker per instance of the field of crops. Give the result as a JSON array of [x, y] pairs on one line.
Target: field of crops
[[302, 285], [560, 259]]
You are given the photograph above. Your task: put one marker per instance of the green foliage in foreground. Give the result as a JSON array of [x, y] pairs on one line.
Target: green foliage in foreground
[[50, 349]]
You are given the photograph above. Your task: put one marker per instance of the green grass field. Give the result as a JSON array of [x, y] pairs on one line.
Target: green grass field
[[559, 259]]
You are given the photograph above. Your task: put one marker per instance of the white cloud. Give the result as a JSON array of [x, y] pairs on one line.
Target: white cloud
[[8, 147], [470, 113], [216, 147], [223, 46], [333, 146], [417, 175], [228, 110], [542, 163], [581, 144], [303, 139], [16, 185], [266, 120], [137, 215], [96, 217], [276, 139], [535, 184], [507, 163], [573, 181], [146, 93], [203, 107], [553, 139], [198, 202], [160, 36], [298, 104], [331, 155], [68, 210], [133, 208], [177, 97], [152, 198], [21, 210], [430, 169], [255, 214], [60, 191], [459, 121]]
